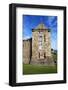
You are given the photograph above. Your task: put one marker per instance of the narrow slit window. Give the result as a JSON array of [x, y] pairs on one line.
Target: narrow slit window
[[44, 38], [39, 55]]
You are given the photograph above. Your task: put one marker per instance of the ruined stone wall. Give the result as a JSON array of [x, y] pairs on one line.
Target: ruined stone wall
[[35, 45], [46, 47], [47, 43], [26, 51], [31, 52]]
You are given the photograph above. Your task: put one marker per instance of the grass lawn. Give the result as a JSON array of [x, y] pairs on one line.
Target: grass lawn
[[38, 69]]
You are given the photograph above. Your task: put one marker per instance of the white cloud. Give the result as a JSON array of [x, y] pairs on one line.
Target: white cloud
[[27, 37]]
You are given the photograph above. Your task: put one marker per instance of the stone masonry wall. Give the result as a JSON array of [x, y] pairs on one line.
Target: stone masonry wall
[[26, 51], [46, 47], [47, 43], [34, 45]]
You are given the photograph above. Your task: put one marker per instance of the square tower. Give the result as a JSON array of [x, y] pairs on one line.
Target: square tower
[[41, 44]]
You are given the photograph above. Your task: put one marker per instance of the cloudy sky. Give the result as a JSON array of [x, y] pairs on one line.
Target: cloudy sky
[[32, 21]]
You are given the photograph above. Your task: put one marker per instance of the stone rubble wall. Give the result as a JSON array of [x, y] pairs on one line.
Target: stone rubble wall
[[31, 49]]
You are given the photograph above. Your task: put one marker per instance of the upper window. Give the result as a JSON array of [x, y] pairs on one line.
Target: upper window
[[40, 40], [44, 38]]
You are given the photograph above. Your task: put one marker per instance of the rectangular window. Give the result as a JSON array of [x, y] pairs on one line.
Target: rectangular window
[[44, 55], [40, 40], [39, 55], [44, 38]]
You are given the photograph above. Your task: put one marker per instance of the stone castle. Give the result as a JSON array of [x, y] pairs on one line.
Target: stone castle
[[37, 50]]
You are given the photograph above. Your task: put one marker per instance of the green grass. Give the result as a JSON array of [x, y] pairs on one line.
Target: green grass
[[38, 69]]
